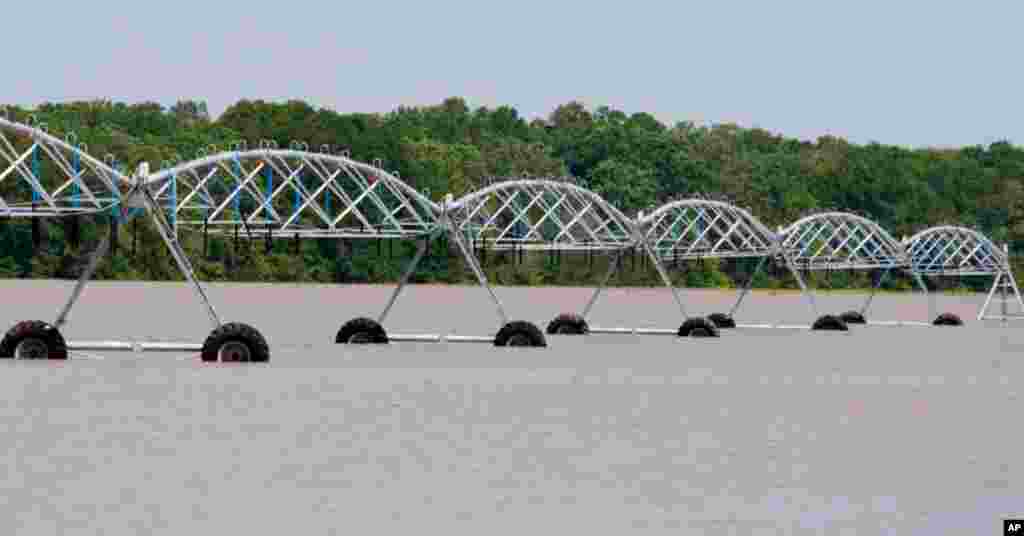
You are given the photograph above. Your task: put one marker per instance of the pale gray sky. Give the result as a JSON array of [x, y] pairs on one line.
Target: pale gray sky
[[908, 72]]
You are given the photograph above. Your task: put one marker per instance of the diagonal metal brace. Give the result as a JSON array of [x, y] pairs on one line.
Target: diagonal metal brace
[[421, 249], [167, 233], [612, 269], [748, 286], [94, 263]]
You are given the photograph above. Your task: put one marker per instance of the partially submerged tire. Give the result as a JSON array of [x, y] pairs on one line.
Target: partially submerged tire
[[698, 326], [568, 324], [722, 320], [948, 319], [830, 323], [33, 339], [853, 317], [361, 331], [236, 342], [520, 333]]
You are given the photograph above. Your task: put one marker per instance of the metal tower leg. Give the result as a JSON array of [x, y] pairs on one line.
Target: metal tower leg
[[421, 249], [803, 287], [1002, 299], [167, 233], [874, 290], [991, 293], [664, 275], [471, 260], [931, 296], [1016, 291], [94, 263], [746, 287], [612, 268]]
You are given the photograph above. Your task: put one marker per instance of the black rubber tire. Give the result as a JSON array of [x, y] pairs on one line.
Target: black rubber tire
[[722, 320], [259, 351], [34, 329], [948, 319], [830, 323], [520, 328], [853, 317], [568, 324], [368, 327], [698, 326]]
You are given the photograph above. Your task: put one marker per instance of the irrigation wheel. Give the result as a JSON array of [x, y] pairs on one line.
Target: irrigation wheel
[[520, 333], [236, 342], [33, 339], [948, 319], [361, 331], [568, 324], [698, 326], [830, 323]]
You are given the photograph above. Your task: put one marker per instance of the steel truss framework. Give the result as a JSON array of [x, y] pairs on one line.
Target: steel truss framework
[[292, 193], [44, 176], [698, 228], [295, 192], [839, 241], [551, 213], [831, 241], [957, 252]]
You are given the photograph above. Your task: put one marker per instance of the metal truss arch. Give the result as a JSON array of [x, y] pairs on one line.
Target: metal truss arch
[[56, 177], [290, 192], [702, 228], [841, 240], [953, 250], [541, 214]]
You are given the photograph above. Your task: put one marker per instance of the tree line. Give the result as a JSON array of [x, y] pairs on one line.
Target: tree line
[[632, 160]]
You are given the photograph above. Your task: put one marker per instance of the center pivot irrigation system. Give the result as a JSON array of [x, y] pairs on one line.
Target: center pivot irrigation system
[[270, 193]]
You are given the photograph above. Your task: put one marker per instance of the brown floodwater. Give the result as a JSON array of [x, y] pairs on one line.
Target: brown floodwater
[[881, 430]]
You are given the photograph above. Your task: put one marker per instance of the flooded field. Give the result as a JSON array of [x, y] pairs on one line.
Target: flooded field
[[880, 430]]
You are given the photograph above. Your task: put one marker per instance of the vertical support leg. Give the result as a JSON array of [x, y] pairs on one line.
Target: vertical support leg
[[931, 296], [74, 231], [90, 269], [475, 266], [37, 235], [663, 274], [420, 250], [1002, 299], [1016, 291], [803, 287], [166, 232], [612, 268], [115, 224], [874, 290], [747, 287], [991, 293]]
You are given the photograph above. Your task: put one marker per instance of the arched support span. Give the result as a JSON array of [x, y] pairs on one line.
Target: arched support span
[[841, 241], [697, 228], [293, 193], [43, 176], [954, 251]]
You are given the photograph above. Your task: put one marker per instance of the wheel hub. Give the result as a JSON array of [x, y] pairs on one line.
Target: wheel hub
[[565, 329], [234, 351], [32, 348]]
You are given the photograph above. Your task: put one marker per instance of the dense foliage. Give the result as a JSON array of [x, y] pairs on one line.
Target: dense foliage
[[631, 159]]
